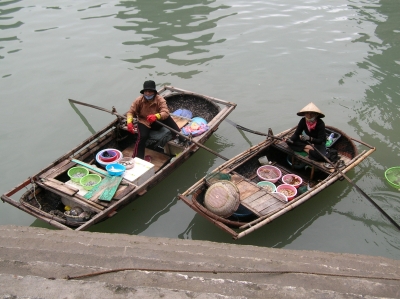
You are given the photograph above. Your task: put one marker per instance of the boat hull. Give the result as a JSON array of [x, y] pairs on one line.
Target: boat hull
[[49, 190], [265, 207]]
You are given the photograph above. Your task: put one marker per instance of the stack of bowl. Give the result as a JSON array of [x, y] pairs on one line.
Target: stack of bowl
[[108, 156]]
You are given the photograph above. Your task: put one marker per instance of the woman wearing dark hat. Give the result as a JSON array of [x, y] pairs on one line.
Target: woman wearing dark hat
[[311, 129], [148, 108]]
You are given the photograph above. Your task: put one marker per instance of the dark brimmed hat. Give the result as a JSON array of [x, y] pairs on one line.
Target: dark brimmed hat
[[149, 85], [310, 108]]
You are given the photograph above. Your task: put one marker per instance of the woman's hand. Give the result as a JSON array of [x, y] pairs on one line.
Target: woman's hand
[[153, 117], [305, 138], [130, 128]]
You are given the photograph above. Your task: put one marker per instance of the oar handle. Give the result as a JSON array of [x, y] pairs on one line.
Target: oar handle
[[113, 111]]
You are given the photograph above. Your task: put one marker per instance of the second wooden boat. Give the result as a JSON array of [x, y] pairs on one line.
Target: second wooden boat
[[257, 205]]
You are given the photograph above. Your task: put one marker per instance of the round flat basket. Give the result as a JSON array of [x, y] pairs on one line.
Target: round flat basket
[[222, 198], [392, 175]]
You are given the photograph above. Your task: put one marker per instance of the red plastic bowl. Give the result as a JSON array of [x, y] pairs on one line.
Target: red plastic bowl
[[114, 156]]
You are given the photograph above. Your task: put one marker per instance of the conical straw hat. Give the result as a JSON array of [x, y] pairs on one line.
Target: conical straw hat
[[310, 108]]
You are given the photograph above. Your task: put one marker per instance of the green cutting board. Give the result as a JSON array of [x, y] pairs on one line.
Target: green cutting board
[[98, 188], [110, 190]]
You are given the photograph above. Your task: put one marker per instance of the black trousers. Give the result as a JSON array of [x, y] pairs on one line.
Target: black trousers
[[298, 146], [144, 132]]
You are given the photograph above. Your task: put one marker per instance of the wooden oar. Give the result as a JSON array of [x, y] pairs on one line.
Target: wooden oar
[[255, 132], [243, 128], [114, 112], [355, 186]]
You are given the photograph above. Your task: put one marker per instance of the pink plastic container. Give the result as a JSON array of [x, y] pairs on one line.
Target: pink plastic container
[[269, 173], [295, 179], [288, 190]]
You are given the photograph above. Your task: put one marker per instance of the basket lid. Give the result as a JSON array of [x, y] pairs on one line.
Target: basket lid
[[222, 198]]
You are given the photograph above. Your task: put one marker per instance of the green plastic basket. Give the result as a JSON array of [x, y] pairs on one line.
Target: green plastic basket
[[392, 176], [89, 181], [76, 173]]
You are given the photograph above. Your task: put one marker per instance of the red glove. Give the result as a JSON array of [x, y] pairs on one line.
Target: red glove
[[130, 128], [151, 118]]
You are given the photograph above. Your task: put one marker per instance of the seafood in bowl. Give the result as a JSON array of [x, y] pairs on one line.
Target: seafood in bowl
[[292, 179]]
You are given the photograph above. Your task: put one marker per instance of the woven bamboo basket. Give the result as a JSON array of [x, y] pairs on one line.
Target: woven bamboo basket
[[222, 198]]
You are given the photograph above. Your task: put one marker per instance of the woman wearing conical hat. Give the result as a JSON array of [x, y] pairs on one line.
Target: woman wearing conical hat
[[311, 129]]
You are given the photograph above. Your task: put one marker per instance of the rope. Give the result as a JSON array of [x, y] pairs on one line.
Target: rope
[[229, 272], [34, 193]]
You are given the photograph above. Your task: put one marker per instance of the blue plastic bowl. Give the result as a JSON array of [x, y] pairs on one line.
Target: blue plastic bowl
[[115, 169], [242, 213]]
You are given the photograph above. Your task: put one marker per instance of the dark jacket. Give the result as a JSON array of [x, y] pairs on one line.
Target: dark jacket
[[318, 135]]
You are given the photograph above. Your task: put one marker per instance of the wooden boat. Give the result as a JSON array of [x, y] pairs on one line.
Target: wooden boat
[[258, 206], [51, 190]]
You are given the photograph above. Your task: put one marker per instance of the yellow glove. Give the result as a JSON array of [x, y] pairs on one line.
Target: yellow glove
[[129, 118]]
